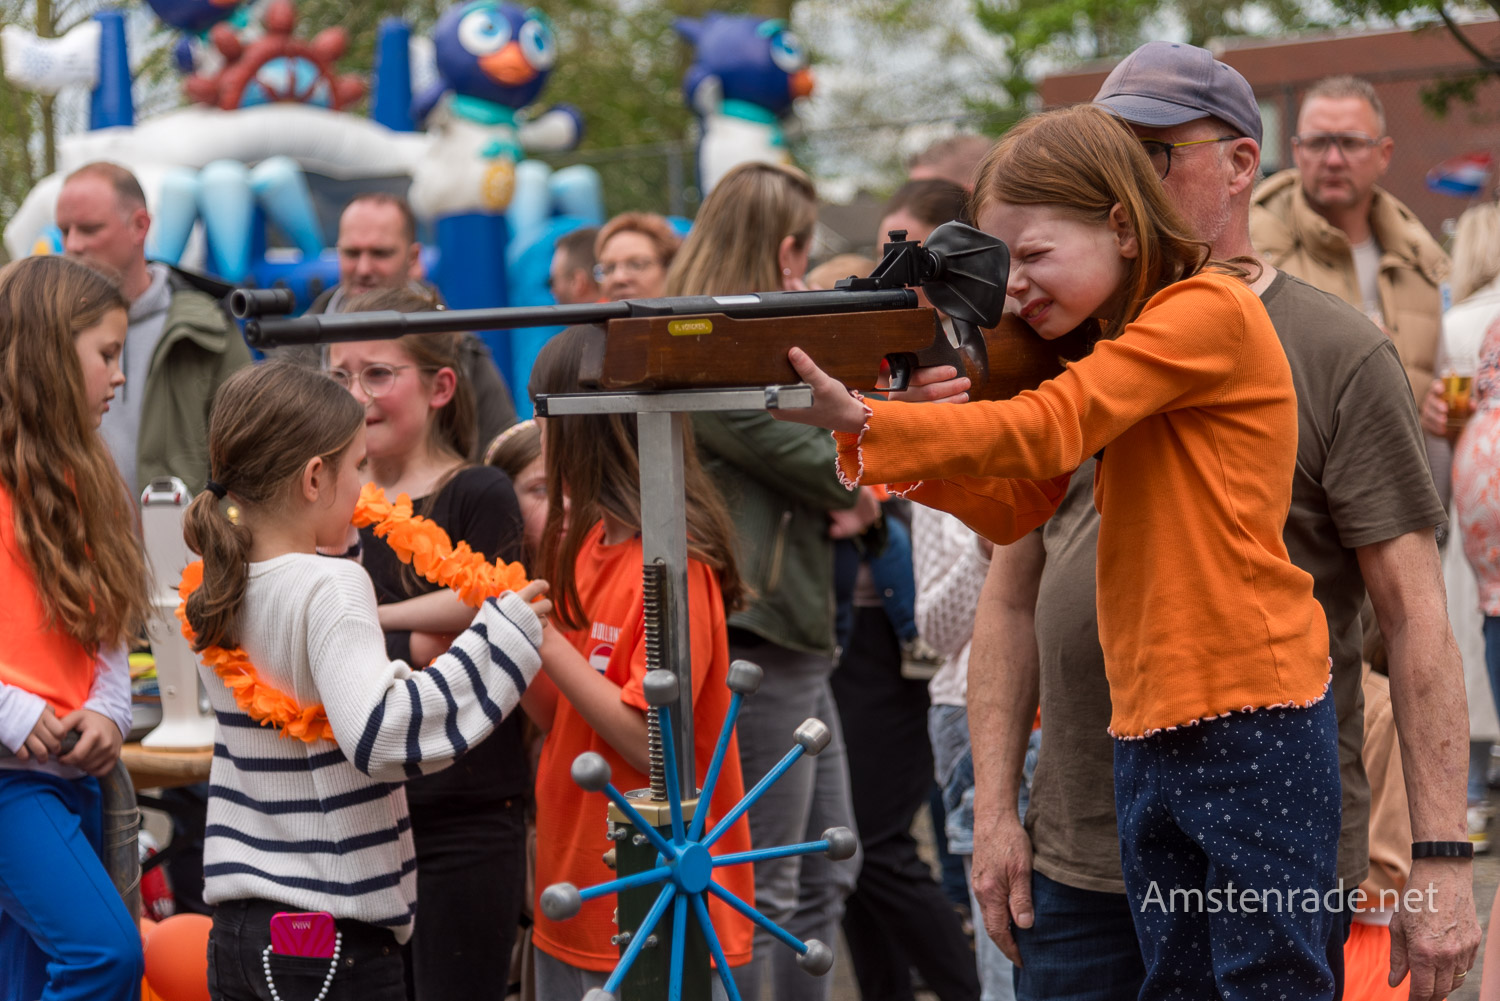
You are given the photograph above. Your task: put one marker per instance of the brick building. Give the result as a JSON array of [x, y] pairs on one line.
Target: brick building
[[1400, 64]]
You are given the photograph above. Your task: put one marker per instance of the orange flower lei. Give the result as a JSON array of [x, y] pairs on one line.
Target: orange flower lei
[[415, 540]]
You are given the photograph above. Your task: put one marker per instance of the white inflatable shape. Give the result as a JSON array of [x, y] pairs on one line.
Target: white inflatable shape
[[47, 65], [729, 142], [455, 176], [176, 212], [328, 142], [227, 208], [552, 131]]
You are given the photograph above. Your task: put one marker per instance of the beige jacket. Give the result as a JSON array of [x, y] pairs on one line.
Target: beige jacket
[[1293, 237]]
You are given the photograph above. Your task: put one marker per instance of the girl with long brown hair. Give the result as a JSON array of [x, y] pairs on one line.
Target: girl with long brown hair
[[75, 589], [590, 695], [469, 821], [1226, 757], [753, 234], [317, 821]]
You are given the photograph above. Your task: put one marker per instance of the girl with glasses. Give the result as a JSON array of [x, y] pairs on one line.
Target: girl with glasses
[[468, 821]]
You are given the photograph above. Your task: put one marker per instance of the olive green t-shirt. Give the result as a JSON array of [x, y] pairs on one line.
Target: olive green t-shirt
[[1362, 477]]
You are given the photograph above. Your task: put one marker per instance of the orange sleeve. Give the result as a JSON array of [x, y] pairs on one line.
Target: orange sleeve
[[1160, 362], [998, 509]]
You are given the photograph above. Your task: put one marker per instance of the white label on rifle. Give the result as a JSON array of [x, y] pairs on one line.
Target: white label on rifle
[[736, 300]]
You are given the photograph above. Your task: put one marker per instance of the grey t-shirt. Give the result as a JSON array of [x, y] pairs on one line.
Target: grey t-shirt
[[121, 426], [1361, 478]]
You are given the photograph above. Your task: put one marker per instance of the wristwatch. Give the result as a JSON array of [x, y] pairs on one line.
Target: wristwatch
[[1442, 849]]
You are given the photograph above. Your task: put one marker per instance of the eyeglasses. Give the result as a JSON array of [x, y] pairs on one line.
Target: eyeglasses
[[634, 266], [1349, 144], [1161, 152], [376, 380]]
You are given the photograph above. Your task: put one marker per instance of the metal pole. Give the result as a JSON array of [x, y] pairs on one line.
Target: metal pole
[[664, 541]]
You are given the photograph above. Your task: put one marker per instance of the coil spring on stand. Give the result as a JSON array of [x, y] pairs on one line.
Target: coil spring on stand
[[653, 583]]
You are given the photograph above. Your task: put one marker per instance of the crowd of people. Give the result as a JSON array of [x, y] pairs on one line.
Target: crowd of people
[[1163, 645]]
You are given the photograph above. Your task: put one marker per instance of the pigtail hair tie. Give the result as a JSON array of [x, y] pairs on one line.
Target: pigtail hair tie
[[217, 489]]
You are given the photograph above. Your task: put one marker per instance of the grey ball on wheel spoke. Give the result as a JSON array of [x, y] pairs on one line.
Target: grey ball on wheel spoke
[[817, 960], [598, 994], [660, 687], [813, 735], [745, 677], [561, 901], [591, 771]]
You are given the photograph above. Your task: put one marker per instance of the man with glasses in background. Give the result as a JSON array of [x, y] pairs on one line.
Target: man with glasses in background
[[1329, 223]]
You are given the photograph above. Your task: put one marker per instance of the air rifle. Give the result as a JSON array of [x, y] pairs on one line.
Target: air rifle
[[703, 342]]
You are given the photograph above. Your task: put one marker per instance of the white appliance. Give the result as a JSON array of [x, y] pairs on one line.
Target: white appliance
[[187, 722]]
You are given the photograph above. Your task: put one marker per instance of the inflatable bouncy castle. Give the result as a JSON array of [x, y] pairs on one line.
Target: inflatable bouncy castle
[[247, 181]]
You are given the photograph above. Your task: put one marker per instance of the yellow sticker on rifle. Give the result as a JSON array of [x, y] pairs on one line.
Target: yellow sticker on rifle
[[689, 328]]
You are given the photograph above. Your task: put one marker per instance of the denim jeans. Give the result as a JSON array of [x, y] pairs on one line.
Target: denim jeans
[[1081, 947], [64, 932], [369, 965]]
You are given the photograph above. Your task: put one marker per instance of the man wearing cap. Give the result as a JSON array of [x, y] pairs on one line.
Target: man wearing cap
[[1362, 517]]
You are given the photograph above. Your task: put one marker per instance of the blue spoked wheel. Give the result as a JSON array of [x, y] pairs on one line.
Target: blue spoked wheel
[[684, 867]]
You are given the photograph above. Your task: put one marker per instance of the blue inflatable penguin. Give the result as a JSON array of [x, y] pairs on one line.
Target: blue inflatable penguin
[[745, 74], [493, 59]]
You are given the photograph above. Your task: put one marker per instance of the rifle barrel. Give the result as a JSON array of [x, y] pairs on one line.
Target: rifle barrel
[[388, 324]]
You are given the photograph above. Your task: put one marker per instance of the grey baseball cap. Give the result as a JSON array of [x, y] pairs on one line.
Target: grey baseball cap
[[1169, 83]]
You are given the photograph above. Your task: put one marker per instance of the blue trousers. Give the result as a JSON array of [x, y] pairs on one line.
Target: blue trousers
[[1229, 841], [64, 932]]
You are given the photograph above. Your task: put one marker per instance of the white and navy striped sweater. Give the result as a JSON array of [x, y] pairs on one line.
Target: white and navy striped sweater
[[321, 827]]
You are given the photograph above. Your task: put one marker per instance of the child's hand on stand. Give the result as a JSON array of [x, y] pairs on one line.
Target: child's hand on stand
[[98, 744], [45, 738]]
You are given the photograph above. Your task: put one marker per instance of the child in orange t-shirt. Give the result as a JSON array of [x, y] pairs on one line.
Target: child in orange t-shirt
[[590, 698]]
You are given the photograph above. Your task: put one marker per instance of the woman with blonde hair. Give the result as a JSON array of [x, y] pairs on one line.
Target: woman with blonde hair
[[752, 235]]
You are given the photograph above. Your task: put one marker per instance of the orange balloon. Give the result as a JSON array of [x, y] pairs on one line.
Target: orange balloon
[[147, 926], [147, 994], [177, 958]]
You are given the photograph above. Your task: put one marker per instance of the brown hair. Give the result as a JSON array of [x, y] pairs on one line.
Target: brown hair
[[735, 239], [1083, 160], [455, 428], [577, 249], [72, 513], [837, 268], [127, 189], [1335, 88], [663, 237], [268, 421], [596, 461], [934, 202], [401, 205]]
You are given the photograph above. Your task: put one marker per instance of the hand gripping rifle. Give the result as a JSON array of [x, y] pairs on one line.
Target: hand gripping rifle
[[705, 342]]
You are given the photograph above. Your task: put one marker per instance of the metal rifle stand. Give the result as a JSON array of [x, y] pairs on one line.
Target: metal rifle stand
[[660, 831]]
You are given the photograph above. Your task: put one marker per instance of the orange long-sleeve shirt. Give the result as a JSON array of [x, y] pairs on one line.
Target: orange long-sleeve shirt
[[1200, 611]]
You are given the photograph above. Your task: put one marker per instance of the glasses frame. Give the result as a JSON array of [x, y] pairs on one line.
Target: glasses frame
[[1366, 141], [359, 377], [1147, 143], [632, 265]]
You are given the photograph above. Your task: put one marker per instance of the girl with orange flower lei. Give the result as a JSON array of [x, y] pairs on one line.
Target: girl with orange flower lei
[[468, 822], [310, 813]]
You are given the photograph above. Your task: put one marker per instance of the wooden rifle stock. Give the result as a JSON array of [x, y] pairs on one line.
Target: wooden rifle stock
[[716, 351]]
